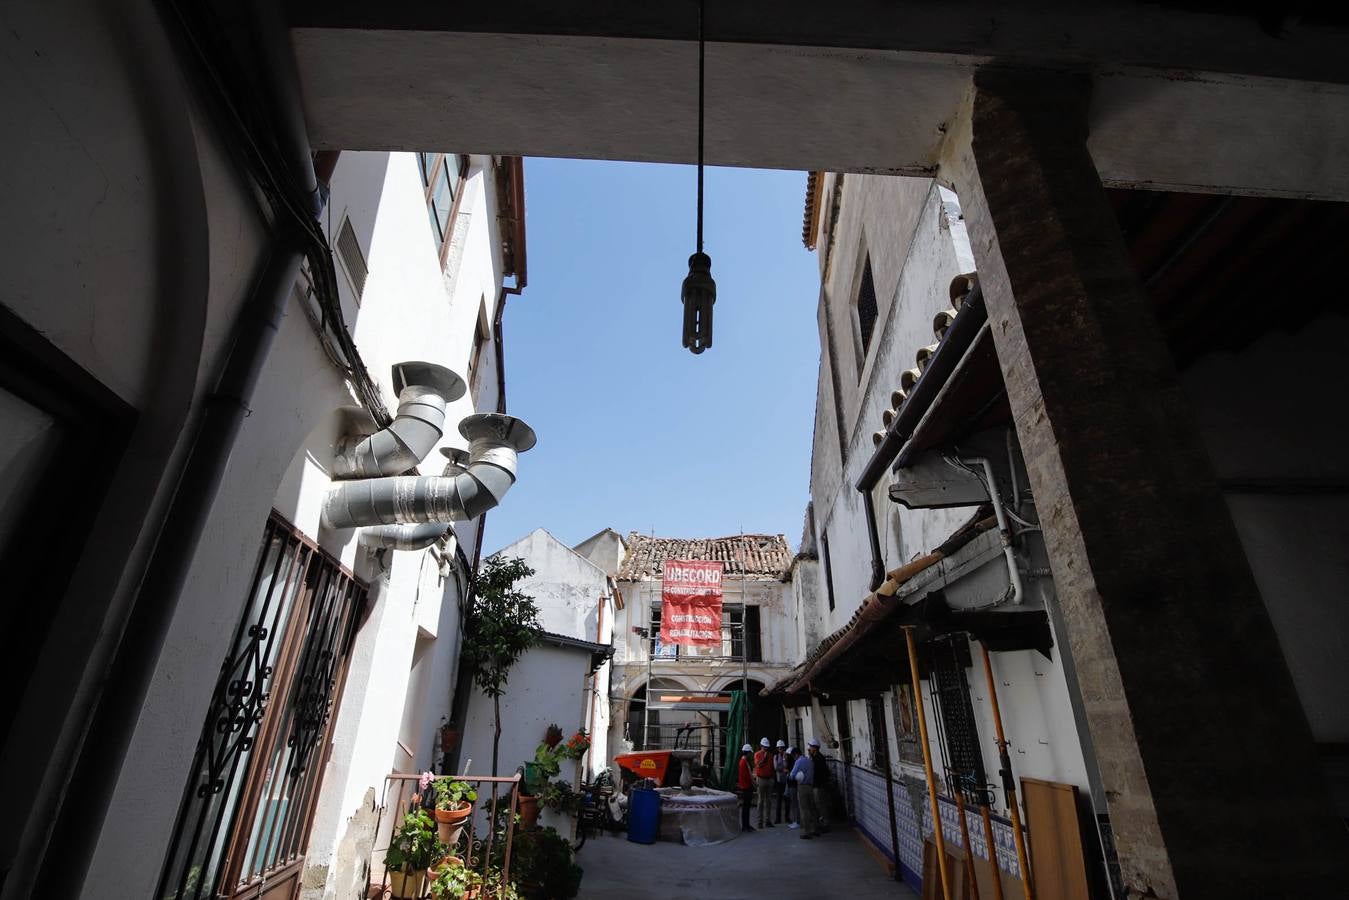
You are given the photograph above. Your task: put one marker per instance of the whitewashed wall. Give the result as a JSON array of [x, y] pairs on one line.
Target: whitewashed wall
[[915, 235], [281, 461]]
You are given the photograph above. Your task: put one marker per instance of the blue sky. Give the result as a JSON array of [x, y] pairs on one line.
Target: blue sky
[[635, 432]]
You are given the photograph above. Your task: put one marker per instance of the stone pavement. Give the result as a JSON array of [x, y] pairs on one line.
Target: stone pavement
[[772, 864]]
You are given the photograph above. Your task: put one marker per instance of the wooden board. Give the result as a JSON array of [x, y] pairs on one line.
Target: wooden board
[[1057, 862]]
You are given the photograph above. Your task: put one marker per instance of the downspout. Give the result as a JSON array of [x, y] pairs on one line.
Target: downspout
[[105, 746], [956, 337]]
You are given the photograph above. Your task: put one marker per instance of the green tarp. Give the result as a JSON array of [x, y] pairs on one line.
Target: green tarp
[[736, 717]]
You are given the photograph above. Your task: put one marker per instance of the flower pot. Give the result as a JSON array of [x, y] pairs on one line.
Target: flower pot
[[450, 823], [529, 811], [407, 885]]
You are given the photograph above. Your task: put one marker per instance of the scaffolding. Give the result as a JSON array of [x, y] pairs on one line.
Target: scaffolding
[[735, 646]]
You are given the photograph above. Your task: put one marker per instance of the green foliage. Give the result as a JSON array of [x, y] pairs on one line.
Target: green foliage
[[560, 797], [502, 624], [454, 880], [452, 794], [414, 845], [548, 759], [543, 865]]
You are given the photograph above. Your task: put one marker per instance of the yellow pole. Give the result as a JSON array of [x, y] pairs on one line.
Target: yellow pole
[[937, 835], [1008, 781], [992, 850], [969, 848]]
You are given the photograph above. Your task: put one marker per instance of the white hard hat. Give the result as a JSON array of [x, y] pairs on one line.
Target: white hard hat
[[746, 749], [813, 742], [763, 742], [781, 743], [791, 749]]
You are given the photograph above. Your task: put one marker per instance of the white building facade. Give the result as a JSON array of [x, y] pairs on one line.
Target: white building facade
[[892, 252], [564, 680], [760, 642]]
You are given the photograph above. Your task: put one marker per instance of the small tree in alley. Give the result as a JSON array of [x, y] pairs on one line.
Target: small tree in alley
[[502, 625]]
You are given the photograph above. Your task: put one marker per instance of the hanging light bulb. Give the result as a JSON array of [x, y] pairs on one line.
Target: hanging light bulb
[[699, 291]]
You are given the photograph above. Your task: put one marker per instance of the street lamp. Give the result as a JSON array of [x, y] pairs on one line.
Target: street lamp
[[700, 291]]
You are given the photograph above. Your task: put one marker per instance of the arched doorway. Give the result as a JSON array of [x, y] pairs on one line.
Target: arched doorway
[[659, 729]]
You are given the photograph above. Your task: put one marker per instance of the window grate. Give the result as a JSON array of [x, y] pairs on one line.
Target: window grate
[[866, 305], [349, 249], [965, 762]]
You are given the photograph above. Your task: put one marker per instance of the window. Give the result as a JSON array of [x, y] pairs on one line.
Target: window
[[740, 623], [349, 250], [828, 568], [246, 810], [844, 732], [481, 334], [866, 306], [655, 647], [951, 694], [442, 174], [880, 744]]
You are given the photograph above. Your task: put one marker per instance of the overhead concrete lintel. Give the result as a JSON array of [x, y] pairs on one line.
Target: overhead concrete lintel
[[776, 106]]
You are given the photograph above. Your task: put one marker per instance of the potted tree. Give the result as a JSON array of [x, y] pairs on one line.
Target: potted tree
[[454, 804], [411, 852], [502, 624]]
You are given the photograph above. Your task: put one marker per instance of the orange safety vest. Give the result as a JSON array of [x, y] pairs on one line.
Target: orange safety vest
[[763, 764]]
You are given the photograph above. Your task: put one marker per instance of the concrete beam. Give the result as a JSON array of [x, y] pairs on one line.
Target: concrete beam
[[1190, 705], [779, 105]]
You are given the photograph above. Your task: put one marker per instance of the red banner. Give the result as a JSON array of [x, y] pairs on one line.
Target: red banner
[[691, 603]]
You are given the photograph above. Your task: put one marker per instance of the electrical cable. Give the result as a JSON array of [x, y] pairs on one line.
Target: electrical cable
[[284, 198]]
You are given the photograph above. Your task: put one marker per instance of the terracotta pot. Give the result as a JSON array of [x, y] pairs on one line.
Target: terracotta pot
[[450, 823], [407, 885], [529, 811]]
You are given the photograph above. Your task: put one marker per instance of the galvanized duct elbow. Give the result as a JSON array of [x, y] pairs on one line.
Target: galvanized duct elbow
[[495, 441], [405, 537], [420, 535], [424, 389]]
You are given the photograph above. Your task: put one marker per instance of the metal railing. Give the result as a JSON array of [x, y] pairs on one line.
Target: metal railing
[[477, 852]]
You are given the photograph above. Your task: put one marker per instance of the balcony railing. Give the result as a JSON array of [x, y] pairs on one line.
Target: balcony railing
[[478, 851]]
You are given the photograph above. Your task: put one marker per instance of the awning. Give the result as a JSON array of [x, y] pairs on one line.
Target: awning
[[868, 655]]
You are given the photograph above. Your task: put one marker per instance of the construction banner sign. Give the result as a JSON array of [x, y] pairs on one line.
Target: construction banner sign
[[690, 596]]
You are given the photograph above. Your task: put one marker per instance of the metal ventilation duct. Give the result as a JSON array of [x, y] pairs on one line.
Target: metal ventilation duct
[[424, 389], [422, 535], [495, 441]]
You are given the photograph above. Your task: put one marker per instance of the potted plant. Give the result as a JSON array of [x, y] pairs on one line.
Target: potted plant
[[454, 804], [411, 852], [560, 797], [577, 744], [456, 880]]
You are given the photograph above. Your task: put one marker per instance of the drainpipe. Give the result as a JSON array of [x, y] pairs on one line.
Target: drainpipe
[[94, 778], [956, 338], [495, 441], [1013, 573]]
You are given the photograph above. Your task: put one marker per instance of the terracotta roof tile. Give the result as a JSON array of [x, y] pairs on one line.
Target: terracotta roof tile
[[748, 554]]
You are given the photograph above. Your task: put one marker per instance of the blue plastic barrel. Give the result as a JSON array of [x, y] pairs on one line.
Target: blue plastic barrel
[[643, 816]]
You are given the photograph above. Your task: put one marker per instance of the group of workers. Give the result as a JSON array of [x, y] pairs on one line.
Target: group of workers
[[786, 782]]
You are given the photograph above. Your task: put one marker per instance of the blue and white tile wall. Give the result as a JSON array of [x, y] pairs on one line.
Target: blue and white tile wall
[[864, 795]]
